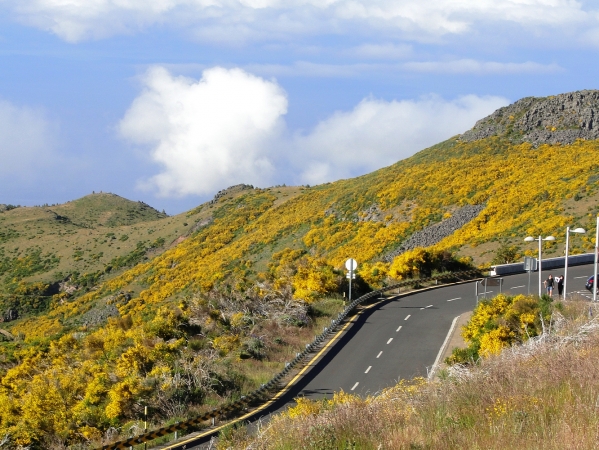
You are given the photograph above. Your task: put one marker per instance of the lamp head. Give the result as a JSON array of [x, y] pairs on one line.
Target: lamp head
[[578, 230], [529, 239], [549, 238]]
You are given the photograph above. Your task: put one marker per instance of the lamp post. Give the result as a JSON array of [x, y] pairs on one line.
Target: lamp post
[[531, 239], [568, 231]]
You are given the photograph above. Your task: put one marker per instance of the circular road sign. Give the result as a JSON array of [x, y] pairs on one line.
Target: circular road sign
[[351, 264]]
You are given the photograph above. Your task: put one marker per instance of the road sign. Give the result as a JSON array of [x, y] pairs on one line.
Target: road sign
[[351, 264], [530, 263], [493, 281]]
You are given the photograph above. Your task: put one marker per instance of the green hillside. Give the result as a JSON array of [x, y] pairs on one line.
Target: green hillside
[[114, 299]]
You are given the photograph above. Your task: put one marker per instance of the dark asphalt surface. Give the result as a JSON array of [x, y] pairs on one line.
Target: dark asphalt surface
[[400, 338]]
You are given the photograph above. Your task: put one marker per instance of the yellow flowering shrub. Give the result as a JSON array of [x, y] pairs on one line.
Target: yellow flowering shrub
[[499, 322]]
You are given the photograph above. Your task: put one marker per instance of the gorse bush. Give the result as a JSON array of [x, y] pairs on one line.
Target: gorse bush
[[501, 322]]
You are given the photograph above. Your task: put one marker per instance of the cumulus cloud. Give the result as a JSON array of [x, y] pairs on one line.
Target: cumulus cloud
[[228, 128], [223, 20], [377, 133], [27, 140], [206, 134]]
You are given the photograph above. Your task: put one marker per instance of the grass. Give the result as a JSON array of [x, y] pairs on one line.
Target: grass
[[542, 395]]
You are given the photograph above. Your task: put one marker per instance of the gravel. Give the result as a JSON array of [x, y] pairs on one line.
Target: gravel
[[433, 234]]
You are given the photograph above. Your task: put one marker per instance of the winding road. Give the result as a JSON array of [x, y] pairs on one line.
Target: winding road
[[396, 338]]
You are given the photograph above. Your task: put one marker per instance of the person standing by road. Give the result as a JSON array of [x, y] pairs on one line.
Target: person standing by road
[[560, 285], [549, 285]]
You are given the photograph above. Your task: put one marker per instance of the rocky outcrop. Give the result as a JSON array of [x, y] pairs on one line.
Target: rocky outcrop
[[435, 233], [559, 119], [9, 315], [372, 214]]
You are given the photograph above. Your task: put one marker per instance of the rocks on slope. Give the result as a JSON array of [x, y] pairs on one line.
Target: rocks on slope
[[437, 232], [230, 190], [559, 119]]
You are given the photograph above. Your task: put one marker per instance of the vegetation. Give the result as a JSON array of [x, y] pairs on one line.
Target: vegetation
[[110, 292], [501, 322]]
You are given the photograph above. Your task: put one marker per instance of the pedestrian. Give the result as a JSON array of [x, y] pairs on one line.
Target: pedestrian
[[549, 285], [560, 285]]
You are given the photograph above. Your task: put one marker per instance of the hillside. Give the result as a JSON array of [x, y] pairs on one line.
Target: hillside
[[114, 318]]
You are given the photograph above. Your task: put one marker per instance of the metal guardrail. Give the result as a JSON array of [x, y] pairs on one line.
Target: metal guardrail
[[265, 389], [549, 263]]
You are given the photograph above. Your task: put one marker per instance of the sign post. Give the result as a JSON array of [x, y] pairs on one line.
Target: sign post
[[351, 265], [530, 265]]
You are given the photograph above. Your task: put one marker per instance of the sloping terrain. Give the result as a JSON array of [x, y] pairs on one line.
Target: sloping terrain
[[119, 317]]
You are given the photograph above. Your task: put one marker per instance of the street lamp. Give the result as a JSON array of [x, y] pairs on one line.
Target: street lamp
[[568, 231], [531, 239]]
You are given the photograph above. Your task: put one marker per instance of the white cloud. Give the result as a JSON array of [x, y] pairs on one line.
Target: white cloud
[[228, 128], [378, 133], [459, 66], [381, 51], [206, 134], [27, 140], [473, 67], [225, 20]]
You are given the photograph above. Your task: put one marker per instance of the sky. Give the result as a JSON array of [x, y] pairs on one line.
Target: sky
[[170, 101]]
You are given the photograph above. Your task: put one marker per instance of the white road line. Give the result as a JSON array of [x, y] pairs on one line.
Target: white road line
[[389, 341], [379, 355], [442, 349], [368, 370], [426, 307], [398, 329], [453, 299], [408, 316], [355, 385], [518, 287], [581, 277]]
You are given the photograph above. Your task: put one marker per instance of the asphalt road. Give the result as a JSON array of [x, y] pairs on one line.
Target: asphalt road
[[400, 338]]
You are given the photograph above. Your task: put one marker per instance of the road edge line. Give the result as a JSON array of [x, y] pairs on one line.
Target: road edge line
[[442, 349]]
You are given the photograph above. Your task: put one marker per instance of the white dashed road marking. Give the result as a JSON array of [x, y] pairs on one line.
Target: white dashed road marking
[[355, 385], [517, 287], [379, 355], [453, 299], [426, 307], [389, 341], [368, 370], [398, 329], [408, 316]]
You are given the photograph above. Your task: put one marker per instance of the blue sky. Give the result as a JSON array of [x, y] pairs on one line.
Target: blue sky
[[168, 103]]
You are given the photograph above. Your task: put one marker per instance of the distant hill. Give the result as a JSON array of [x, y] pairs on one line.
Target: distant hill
[[82, 271], [108, 210]]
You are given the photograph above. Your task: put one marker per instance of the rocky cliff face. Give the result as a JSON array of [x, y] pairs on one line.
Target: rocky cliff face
[[559, 119]]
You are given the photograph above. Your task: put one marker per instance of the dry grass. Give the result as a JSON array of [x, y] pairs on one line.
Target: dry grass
[[541, 395]]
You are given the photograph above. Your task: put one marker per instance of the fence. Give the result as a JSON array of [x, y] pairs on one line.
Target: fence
[[265, 390]]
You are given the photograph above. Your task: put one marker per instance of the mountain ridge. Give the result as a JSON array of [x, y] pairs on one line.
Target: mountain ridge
[[557, 119]]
